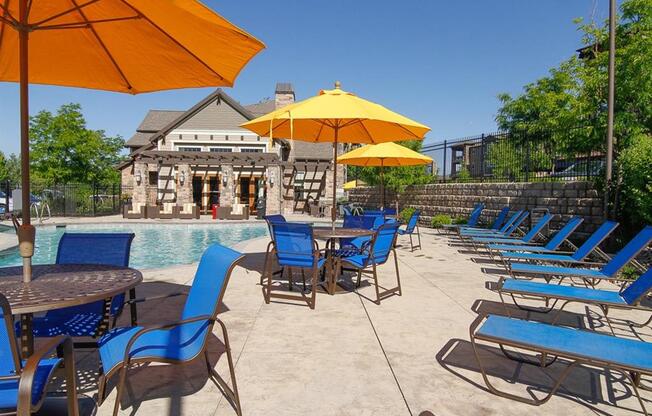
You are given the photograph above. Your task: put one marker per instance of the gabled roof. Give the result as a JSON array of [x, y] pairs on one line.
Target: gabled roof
[[262, 108], [153, 122]]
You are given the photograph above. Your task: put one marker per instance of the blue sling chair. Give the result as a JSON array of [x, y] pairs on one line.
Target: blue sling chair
[[87, 320], [632, 358], [474, 217], [526, 239], [293, 246], [271, 220], [23, 382], [629, 297], [410, 228], [495, 226], [177, 342], [375, 254], [509, 228], [608, 271], [350, 246], [582, 252]]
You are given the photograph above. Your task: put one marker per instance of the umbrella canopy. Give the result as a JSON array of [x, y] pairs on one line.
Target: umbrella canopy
[[353, 184], [337, 116], [384, 154], [128, 46]]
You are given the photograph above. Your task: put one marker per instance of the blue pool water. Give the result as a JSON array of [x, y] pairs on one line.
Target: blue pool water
[[155, 245]]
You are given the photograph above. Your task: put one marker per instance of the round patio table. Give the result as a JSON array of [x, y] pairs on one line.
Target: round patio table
[[56, 286], [335, 234]]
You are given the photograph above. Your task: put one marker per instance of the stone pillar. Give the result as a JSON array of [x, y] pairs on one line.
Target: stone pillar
[[273, 190], [139, 193], [227, 192], [184, 189]]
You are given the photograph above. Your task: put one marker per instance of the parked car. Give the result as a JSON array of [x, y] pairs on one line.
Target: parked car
[[580, 170]]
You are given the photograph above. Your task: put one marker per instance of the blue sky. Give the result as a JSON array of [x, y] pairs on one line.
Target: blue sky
[[439, 62]]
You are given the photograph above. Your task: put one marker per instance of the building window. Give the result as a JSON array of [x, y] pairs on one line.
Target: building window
[[189, 149], [221, 149], [153, 179], [251, 150]]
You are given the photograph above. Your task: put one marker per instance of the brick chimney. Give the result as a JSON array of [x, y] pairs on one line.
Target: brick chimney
[[284, 94]]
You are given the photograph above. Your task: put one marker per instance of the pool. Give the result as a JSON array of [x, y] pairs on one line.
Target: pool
[[155, 245]]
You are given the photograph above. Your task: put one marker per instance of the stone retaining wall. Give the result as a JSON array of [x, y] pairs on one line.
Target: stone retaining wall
[[564, 199]]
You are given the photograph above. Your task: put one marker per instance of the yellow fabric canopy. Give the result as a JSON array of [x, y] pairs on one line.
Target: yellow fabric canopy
[[337, 115], [384, 154], [353, 184], [130, 46]]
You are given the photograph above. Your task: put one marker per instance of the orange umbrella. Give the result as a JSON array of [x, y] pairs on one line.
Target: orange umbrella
[[130, 46]]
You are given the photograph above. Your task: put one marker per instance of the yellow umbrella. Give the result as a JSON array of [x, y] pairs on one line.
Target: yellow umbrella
[[384, 154], [353, 184], [128, 46], [337, 116]]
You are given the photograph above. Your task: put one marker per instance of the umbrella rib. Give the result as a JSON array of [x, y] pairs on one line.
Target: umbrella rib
[[63, 13], [86, 24], [409, 132], [104, 47], [176, 42], [366, 131], [8, 17]]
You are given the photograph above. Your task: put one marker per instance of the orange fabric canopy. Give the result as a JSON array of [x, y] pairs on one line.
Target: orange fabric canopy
[[130, 46]]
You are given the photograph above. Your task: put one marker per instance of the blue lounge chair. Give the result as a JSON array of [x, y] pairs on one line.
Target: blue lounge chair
[[293, 247], [630, 357], [389, 211], [498, 223], [177, 342], [552, 245], [412, 227], [474, 217], [627, 298], [507, 229], [375, 254], [527, 238], [607, 272], [23, 382], [578, 256], [85, 320]]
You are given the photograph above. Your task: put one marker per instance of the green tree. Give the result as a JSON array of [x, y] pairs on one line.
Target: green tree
[[10, 168], [4, 173], [64, 150]]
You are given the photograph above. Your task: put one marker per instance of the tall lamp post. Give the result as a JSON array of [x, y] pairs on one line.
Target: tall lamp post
[[610, 104]]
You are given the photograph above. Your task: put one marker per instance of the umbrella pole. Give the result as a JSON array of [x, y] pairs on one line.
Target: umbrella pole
[[26, 232], [382, 186], [334, 209]]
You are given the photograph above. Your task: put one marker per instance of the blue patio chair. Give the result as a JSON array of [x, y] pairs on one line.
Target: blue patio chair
[[375, 254], [629, 297], [590, 276], [506, 230], [86, 320], [271, 220], [23, 382], [552, 245], [527, 238], [578, 256], [350, 246], [472, 221], [177, 342], [630, 357], [294, 247], [412, 227]]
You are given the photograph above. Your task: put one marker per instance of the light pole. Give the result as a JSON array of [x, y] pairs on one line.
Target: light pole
[[610, 104]]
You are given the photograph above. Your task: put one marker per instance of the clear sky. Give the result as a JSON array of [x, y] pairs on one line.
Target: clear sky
[[439, 62]]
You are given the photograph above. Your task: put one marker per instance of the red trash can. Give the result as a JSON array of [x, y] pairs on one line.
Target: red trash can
[[214, 210]]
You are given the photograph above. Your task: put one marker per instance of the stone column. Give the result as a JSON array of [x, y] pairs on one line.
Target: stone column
[[273, 190], [139, 194], [227, 192], [184, 190]]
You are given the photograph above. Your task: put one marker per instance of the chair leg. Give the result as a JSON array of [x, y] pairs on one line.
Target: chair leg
[[419, 236], [290, 278], [232, 394], [132, 308], [71, 378], [315, 281], [375, 274], [359, 278], [303, 278], [101, 386], [120, 388], [411, 244], [398, 277]]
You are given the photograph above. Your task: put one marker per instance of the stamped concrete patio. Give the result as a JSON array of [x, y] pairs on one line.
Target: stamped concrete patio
[[409, 356]]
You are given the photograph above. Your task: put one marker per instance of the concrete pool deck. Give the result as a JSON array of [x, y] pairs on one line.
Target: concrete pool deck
[[408, 356]]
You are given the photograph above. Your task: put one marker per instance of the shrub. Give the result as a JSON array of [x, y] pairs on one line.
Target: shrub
[[464, 175], [635, 168], [406, 213], [460, 220], [439, 220]]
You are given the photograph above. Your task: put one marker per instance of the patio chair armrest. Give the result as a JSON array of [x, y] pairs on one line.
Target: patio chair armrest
[[149, 298], [165, 326], [62, 342]]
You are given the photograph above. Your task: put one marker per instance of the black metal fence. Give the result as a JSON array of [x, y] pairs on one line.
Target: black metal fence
[[518, 157], [72, 200]]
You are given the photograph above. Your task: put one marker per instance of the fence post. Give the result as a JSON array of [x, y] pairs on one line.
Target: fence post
[[482, 151], [444, 177], [94, 197], [527, 161]]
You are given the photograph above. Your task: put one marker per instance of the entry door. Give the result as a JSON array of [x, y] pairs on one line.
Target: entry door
[[197, 190], [244, 191], [214, 191]]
